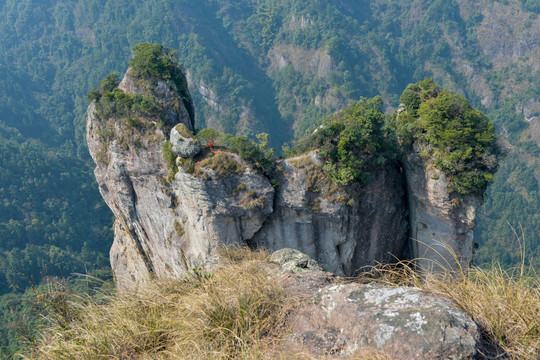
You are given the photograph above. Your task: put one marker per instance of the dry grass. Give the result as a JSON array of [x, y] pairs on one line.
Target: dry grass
[[238, 312], [504, 302], [223, 164], [233, 313], [252, 201]]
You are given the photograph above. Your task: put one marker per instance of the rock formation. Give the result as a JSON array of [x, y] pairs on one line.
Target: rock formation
[[175, 203], [131, 171], [343, 230], [441, 225], [343, 320]]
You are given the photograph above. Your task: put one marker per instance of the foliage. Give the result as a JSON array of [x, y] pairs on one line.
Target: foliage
[[24, 315], [531, 5], [170, 159], [55, 52], [460, 140], [158, 61], [260, 156], [352, 142]]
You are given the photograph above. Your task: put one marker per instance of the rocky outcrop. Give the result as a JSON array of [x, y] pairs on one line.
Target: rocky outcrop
[[173, 213], [344, 320], [342, 229], [217, 211], [441, 223], [130, 174], [184, 145]]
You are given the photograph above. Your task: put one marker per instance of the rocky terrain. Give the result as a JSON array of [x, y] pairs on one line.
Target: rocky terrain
[[343, 319], [172, 215]]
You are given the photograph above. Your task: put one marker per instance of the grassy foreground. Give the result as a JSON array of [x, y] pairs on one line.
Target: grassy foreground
[[238, 312]]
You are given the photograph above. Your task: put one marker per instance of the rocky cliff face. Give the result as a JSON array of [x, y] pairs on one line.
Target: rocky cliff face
[[441, 225], [169, 222], [130, 171], [343, 229]]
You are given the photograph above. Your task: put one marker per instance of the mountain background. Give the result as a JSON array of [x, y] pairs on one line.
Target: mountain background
[[253, 66]]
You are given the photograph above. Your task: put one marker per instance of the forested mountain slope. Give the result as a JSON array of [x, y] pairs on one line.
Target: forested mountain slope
[[253, 66]]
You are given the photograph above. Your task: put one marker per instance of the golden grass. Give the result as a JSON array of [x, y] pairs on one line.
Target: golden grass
[[234, 313], [223, 164]]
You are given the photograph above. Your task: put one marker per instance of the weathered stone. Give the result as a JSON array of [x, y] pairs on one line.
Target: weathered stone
[[441, 224], [294, 261], [403, 323], [214, 210], [131, 177], [342, 229], [186, 147]]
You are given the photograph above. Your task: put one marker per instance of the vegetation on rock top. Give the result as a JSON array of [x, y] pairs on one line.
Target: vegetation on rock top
[[352, 142], [460, 140]]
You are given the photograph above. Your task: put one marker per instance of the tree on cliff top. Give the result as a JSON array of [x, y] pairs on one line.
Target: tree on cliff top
[[460, 140], [158, 61], [154, 60], [352, 142]]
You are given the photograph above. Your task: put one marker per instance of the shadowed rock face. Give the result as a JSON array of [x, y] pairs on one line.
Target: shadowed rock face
[[343, 230]]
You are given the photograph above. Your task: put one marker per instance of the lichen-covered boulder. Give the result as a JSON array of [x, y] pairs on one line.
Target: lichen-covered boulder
[[293, 260], [183, 143], [401, 322]]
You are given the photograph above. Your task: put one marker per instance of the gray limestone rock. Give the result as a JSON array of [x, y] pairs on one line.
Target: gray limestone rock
[[184, 146], [342, 229], [441, 224], [219, 211], [342, 320], [294, 261]]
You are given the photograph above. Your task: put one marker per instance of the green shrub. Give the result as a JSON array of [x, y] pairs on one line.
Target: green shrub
[[459, 140], [351, 141], [170, 159], [207, 133]]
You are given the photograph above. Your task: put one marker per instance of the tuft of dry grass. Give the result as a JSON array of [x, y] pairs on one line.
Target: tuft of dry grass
[[504, 302], [252, 201], [223, 164]]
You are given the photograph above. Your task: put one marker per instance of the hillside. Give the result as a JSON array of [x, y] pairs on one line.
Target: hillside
[[253, 67]]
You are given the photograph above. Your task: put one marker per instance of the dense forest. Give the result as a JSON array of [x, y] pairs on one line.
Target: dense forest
[[253, 66]]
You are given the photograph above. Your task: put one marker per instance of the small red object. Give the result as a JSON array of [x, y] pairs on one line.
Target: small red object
[[211, 143]]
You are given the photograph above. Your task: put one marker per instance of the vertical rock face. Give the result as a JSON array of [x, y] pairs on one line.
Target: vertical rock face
[[130, 171], [441, 225], [343, 229], [220, 211]]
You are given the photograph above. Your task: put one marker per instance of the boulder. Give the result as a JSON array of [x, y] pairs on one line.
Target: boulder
[[183, 144], [344, 320]]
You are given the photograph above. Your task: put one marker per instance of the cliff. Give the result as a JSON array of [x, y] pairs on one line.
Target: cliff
[[176, 202]]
